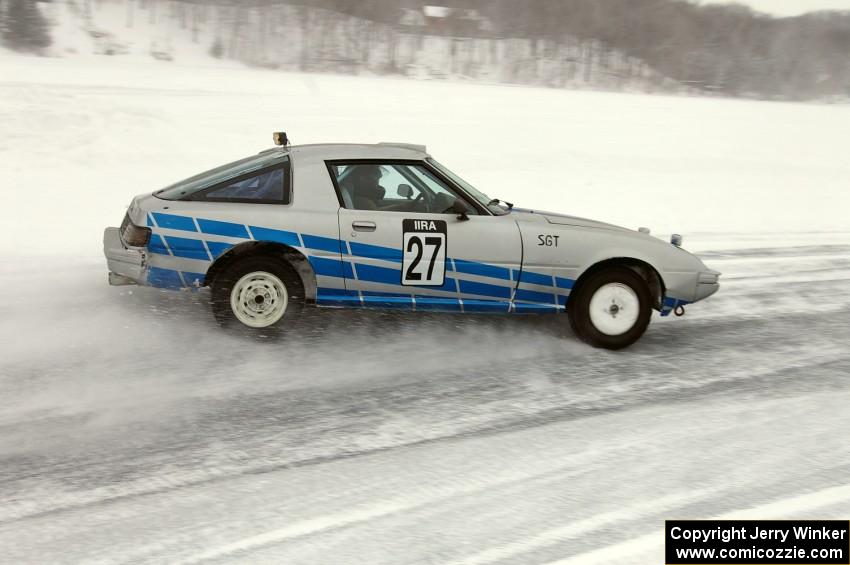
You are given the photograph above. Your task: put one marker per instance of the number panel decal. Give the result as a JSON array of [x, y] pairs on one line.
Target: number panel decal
[[424, 248]]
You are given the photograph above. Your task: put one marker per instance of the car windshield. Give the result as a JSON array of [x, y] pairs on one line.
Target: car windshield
[[482, 198], [185, 188]]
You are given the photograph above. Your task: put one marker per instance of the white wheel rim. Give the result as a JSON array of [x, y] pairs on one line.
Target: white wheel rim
[[614, 308], [259, 299]]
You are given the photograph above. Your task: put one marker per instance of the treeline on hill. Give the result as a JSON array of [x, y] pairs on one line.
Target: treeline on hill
[[310, 38], [724, 48], [629, 44]]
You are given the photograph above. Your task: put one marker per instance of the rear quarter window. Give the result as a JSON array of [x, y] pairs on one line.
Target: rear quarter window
[[260, 179]]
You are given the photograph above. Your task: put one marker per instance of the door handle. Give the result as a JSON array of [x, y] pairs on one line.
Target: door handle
[[364, 226]]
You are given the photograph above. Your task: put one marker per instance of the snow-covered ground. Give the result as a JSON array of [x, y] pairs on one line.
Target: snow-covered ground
[[131, 429], [80, 139]]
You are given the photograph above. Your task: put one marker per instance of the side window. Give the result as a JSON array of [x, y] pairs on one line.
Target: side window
[[435, 185], [270, 186], [392, 187], [394, 184]]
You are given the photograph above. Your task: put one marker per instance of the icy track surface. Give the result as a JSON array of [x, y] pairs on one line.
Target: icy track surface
[[133, 430]]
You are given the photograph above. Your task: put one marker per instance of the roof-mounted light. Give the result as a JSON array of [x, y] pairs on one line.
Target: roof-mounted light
[[676, 240], [280, 138]]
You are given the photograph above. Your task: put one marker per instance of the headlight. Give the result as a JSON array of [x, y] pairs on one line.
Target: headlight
[[133, 235]]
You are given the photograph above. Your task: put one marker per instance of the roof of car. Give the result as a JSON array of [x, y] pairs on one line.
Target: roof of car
[[383, 150]]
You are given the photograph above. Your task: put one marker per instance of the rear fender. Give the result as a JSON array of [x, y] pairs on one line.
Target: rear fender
[[249, 248]]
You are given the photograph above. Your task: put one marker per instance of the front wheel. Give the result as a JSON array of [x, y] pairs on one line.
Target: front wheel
[[259, 295], [611, 309]]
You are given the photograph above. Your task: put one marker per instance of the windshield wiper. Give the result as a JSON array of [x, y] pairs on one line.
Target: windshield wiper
[[497, 201]]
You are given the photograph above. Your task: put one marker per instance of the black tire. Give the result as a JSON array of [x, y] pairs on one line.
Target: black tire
[[222, 287], [578, 309]]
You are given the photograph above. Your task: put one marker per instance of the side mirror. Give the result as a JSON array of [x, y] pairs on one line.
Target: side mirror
[[405, 191], [460, 208]]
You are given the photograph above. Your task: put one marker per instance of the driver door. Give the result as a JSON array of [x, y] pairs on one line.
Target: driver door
[[408, 250]]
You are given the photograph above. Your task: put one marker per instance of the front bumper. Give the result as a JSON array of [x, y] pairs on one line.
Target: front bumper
[[687, 288], [127, 265], [707, 284]]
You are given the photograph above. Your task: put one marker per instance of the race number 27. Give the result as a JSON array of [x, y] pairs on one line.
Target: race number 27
[[424, 252]]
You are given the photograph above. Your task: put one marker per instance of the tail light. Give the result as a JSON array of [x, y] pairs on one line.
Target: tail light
[[133, 235]]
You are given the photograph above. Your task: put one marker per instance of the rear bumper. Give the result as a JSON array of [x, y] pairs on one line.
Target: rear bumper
[[127, 265]]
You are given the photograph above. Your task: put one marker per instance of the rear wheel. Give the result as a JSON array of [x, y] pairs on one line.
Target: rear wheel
[[611, 309], [260, 295]]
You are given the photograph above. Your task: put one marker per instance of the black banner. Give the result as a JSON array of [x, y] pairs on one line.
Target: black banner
[[757, 542]]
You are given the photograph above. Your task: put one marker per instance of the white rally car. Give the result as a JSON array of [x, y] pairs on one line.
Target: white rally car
[[387, 226]]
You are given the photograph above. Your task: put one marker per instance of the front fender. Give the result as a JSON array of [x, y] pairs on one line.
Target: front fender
[[570, 251]]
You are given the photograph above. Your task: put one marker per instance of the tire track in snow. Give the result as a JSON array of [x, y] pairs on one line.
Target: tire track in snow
[[637, 550]]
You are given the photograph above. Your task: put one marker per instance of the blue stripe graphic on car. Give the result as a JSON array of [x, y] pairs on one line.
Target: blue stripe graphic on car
[[391, 294], [156, 245], [218, 248], [534, 278], [387, 300], [321, 243], [190, 278], [187, 248], [229, 229], [173, 222], [483, 289], [532, 308], [437, 304], [482, 269], [331, 267], [326, 292], [278, 236], [373, 273], [534, 296], [164, 278], [375, 252], [485, 305], [449, 285], [337, 297]]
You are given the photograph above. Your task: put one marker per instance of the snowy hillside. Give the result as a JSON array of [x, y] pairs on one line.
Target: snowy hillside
[[299, 38], [127, 29]]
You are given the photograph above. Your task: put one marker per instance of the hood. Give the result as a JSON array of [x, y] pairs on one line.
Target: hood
[[565, 220]]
